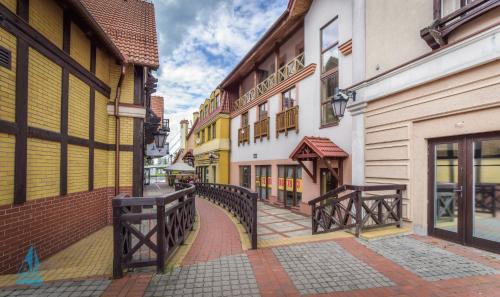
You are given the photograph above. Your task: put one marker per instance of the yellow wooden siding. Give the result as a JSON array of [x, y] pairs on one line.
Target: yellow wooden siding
[[127, 90], [8, 79], [43, 178], [100, 169], [111, 129], [44, 92], [101, 118], [10, 4], [7, 148], [78, 168], [78, 108], [80, 46], [102, 66], [46, 16]]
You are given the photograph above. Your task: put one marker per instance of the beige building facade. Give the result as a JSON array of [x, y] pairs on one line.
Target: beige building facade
[[427, 113]]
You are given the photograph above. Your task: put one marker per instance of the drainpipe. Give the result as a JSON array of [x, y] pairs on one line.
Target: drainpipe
[[117, 128]]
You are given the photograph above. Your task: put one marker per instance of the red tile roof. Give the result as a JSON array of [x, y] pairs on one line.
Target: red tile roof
[[131, 26], [157, 106], [322, 146]]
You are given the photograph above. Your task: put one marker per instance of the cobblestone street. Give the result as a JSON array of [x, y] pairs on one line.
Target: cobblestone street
[[218, 264]]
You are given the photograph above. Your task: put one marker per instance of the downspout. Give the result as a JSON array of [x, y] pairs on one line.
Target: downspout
[[117, 127]]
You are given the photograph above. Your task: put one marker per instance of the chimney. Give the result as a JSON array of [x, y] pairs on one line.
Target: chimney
[[184, 133], [196, 115]]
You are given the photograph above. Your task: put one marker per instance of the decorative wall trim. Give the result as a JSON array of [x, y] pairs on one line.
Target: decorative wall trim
[[133, 111], [8, 127], [42, 134], [22, 30], [346, 47]]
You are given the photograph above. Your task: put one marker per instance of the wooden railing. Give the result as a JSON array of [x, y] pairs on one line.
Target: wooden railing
[[244, 135], [292, 67], [240, 201], [261, 129], [287, 120], [149, 237], [358, 207]]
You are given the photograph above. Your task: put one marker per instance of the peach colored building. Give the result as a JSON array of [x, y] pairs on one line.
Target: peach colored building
[[427, 112]]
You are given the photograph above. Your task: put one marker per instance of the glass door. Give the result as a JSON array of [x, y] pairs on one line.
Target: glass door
[[484, 202], [447, 185], [464, 190]]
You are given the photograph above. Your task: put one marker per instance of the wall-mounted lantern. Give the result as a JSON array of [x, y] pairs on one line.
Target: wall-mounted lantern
[[339, 101], [211, 158], [160, 139]]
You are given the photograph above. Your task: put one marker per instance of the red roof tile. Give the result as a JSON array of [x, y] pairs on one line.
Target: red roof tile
[[322, 146], [157, 106], [131, 26]]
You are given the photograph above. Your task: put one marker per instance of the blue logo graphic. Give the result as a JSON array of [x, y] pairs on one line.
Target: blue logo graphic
[[28, 272]]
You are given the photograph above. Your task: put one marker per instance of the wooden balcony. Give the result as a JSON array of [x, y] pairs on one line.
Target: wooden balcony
[[261, 129], [287, 120], [244, 135], [292, 67]]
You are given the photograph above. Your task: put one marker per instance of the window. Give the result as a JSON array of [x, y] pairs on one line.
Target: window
[[206, 110], [214, 106], [244, 120], [288, 99], [209, 132], [263, 181], [329, 85], [329, 46], [203, 136], [245, 176], [329, 70], [213, 131], [217, 100], [449, 6], [290, 185], [262, 111]]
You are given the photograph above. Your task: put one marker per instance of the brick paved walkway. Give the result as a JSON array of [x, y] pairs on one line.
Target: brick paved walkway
[[216, 265]]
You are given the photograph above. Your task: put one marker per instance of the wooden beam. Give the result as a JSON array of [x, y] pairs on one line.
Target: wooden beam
[[306, 156], [138, 158], [21, 147], [312, 175]]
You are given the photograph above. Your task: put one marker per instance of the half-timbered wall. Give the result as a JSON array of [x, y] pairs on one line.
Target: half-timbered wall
[[57, 138]]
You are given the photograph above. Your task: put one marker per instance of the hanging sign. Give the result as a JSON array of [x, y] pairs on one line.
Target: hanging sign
[[281, 183], [269, 182], [289, 184], [298, 185]]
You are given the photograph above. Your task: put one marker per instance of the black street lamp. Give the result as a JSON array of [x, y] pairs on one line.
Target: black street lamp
[[211, 158], [339, 101], [160, 139]]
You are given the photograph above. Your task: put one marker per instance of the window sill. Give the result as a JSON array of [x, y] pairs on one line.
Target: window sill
[[329, 125]]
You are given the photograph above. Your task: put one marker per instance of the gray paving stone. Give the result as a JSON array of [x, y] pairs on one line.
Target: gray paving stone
[[87, 288], [325, 268], [426, 261], [226, 276]]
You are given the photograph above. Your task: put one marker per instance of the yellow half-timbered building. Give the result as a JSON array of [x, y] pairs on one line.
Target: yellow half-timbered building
[[73, 102]]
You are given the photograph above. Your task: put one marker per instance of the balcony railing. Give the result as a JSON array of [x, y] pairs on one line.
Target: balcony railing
[[261, 129], [244, 135], [292, 67], [287, 120]]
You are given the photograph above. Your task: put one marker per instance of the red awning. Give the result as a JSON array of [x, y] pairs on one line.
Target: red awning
[[317, 147]]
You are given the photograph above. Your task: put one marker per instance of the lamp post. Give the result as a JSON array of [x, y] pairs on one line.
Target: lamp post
[[160, 138], [339, 101]]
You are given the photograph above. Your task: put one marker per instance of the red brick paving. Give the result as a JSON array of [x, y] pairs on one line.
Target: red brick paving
[[130, 286], [271, 278], [217, 237]]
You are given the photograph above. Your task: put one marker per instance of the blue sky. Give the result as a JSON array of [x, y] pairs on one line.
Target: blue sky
[[200, 42]]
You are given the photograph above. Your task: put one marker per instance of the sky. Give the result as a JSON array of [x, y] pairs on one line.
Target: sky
[[200, 41]]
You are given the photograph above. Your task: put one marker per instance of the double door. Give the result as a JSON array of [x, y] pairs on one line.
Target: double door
[[464, 189]]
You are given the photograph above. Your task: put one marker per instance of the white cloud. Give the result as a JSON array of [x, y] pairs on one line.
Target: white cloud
[[214, 39]]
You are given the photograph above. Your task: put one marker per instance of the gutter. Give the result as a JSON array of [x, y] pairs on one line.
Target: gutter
[[117, 127]]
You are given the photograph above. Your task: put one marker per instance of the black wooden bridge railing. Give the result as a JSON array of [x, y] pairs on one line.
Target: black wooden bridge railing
[[358, 207], [238, 200], [170, 219]]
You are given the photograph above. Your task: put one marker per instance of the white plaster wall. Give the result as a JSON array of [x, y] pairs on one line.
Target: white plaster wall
[[308, 93]]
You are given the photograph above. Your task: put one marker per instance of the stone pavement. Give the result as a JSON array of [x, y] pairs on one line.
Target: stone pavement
[[217, 264]]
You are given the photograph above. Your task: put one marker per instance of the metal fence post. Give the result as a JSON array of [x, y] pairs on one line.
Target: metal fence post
[[254, 221], [400, 208]]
